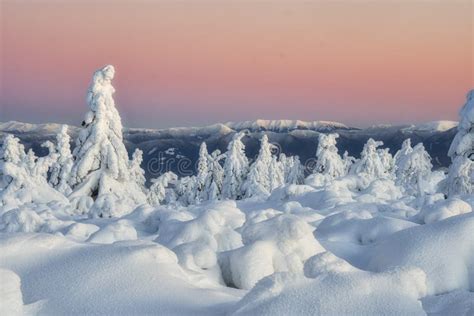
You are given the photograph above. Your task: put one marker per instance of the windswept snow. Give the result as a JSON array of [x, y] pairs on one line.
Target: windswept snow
[[82, 234]]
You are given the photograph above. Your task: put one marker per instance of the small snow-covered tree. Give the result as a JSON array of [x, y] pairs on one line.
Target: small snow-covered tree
[[414, 170], [277, 174], [258, 181], [24, 176], [61, 168], [12, 154], [202, 176], [216, 175], [293, 169], [387, 160], [460, 178], [101, 163], [159, 188], [370, 162], [186, 190], [235, 168], [137, 174], [329, 162], [348, 162]]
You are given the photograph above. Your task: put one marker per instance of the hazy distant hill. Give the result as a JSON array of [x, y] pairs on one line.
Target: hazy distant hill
[[176, 149]]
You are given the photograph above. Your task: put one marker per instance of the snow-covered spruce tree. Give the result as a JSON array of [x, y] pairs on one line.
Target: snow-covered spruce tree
[[23, 176], [186, 190], [101, 165], [387, 160], [328, 160], [258, 182], [460, 178], [293, 169], [235, 168], [61, 168], [216, 175], [413, 170], [159, 189], [348, 162], [401, 156], [370, 163], [203, 176], [277, 174], [137, 174]]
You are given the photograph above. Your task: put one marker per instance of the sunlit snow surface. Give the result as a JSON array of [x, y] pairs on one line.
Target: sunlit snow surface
[[307, 249]]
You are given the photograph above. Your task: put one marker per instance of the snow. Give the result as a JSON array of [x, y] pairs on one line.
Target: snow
[[81, 234]]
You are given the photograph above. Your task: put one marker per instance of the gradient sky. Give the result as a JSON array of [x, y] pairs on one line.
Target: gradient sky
[[184, 63]]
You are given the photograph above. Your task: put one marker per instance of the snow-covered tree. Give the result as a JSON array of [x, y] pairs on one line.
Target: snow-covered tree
[[328, 160], [293, 169], [137, 174], [23, 176], [387, 160], [186, 190], [277, 174], [370, 162], [61, 168], [348, 161], [101, 163], [159, 189], [414, 169], [258, 181], [216, 175], [235, 168], [460, 178], [202, 176]]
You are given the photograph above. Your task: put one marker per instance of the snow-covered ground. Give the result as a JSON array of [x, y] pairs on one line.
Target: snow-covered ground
[[82, 234], [327, 250]]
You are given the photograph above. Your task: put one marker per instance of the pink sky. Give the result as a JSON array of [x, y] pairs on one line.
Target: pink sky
[[198, 62]]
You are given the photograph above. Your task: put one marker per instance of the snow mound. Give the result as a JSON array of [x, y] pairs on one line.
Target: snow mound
[[198, 240], [11, 302], [281, 243], [444, 250], [337, 289], [453, 303], [21, 220], [117, 231], [443, 209], [359, 228]]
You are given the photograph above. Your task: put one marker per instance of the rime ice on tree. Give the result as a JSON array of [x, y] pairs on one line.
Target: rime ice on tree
[[235, 168], [329, 162], [101, 160], [461, 172]]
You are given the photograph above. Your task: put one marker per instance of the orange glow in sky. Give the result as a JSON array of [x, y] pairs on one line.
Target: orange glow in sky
[[199, 62]]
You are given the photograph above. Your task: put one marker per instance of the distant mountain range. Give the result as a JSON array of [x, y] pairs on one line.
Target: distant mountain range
[[176, 149]]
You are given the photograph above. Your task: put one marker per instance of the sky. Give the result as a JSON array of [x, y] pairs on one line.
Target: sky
[[192, 63]]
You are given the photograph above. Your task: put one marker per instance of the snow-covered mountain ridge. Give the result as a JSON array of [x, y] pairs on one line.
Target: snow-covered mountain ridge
[[293, 137]]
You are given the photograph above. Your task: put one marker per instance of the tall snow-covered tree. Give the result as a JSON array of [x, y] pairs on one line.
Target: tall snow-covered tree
[[235, 168], [61, 168], [258, 181], [370, 162], [202, 176], [101, 165], [413, 170], [460, 178], [159, 189], [328, 160]]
